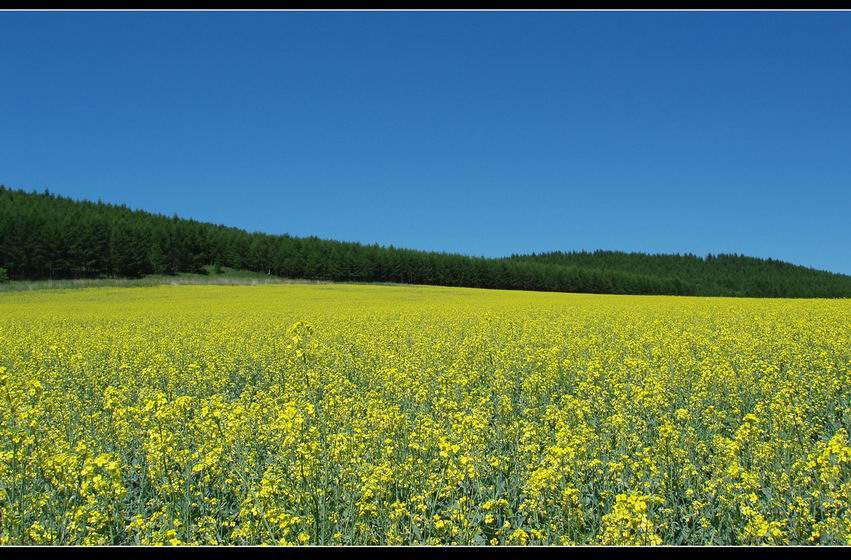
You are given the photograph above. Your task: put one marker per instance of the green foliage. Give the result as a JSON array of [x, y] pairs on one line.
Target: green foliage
[[44, 236], [4, 275], [713, 275]]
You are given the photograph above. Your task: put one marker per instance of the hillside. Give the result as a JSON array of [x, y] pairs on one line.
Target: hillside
[[47, 236], [724, 275]]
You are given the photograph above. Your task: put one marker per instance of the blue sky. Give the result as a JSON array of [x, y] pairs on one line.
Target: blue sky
[[478, 133]]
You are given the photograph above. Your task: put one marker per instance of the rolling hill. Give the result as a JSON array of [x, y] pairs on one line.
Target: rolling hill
[[43, 235]]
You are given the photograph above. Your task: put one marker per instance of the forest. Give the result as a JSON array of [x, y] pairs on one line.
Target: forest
[[43, 235]]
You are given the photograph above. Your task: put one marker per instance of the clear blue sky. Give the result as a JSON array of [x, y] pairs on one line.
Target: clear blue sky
[[479, 133]]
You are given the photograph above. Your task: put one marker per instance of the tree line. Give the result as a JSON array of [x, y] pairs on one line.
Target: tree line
[[43, 235], [712, 275]]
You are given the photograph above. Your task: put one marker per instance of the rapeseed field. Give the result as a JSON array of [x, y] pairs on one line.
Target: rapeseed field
[[342, 414]]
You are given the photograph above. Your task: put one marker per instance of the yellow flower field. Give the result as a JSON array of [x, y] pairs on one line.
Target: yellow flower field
[[342, 414]]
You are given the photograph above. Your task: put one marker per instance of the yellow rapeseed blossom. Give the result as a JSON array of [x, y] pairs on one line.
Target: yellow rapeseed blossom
[[341, 414]]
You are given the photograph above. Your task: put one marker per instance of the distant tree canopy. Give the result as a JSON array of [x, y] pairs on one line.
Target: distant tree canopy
[[47, 236], [713, 275]]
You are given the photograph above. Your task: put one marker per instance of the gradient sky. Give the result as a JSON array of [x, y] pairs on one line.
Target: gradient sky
[[479, 133]]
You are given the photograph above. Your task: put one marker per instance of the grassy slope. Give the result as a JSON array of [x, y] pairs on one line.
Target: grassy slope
[[226, 276]]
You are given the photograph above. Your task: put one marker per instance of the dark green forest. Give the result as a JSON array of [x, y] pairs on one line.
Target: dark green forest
[[43, 235]]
